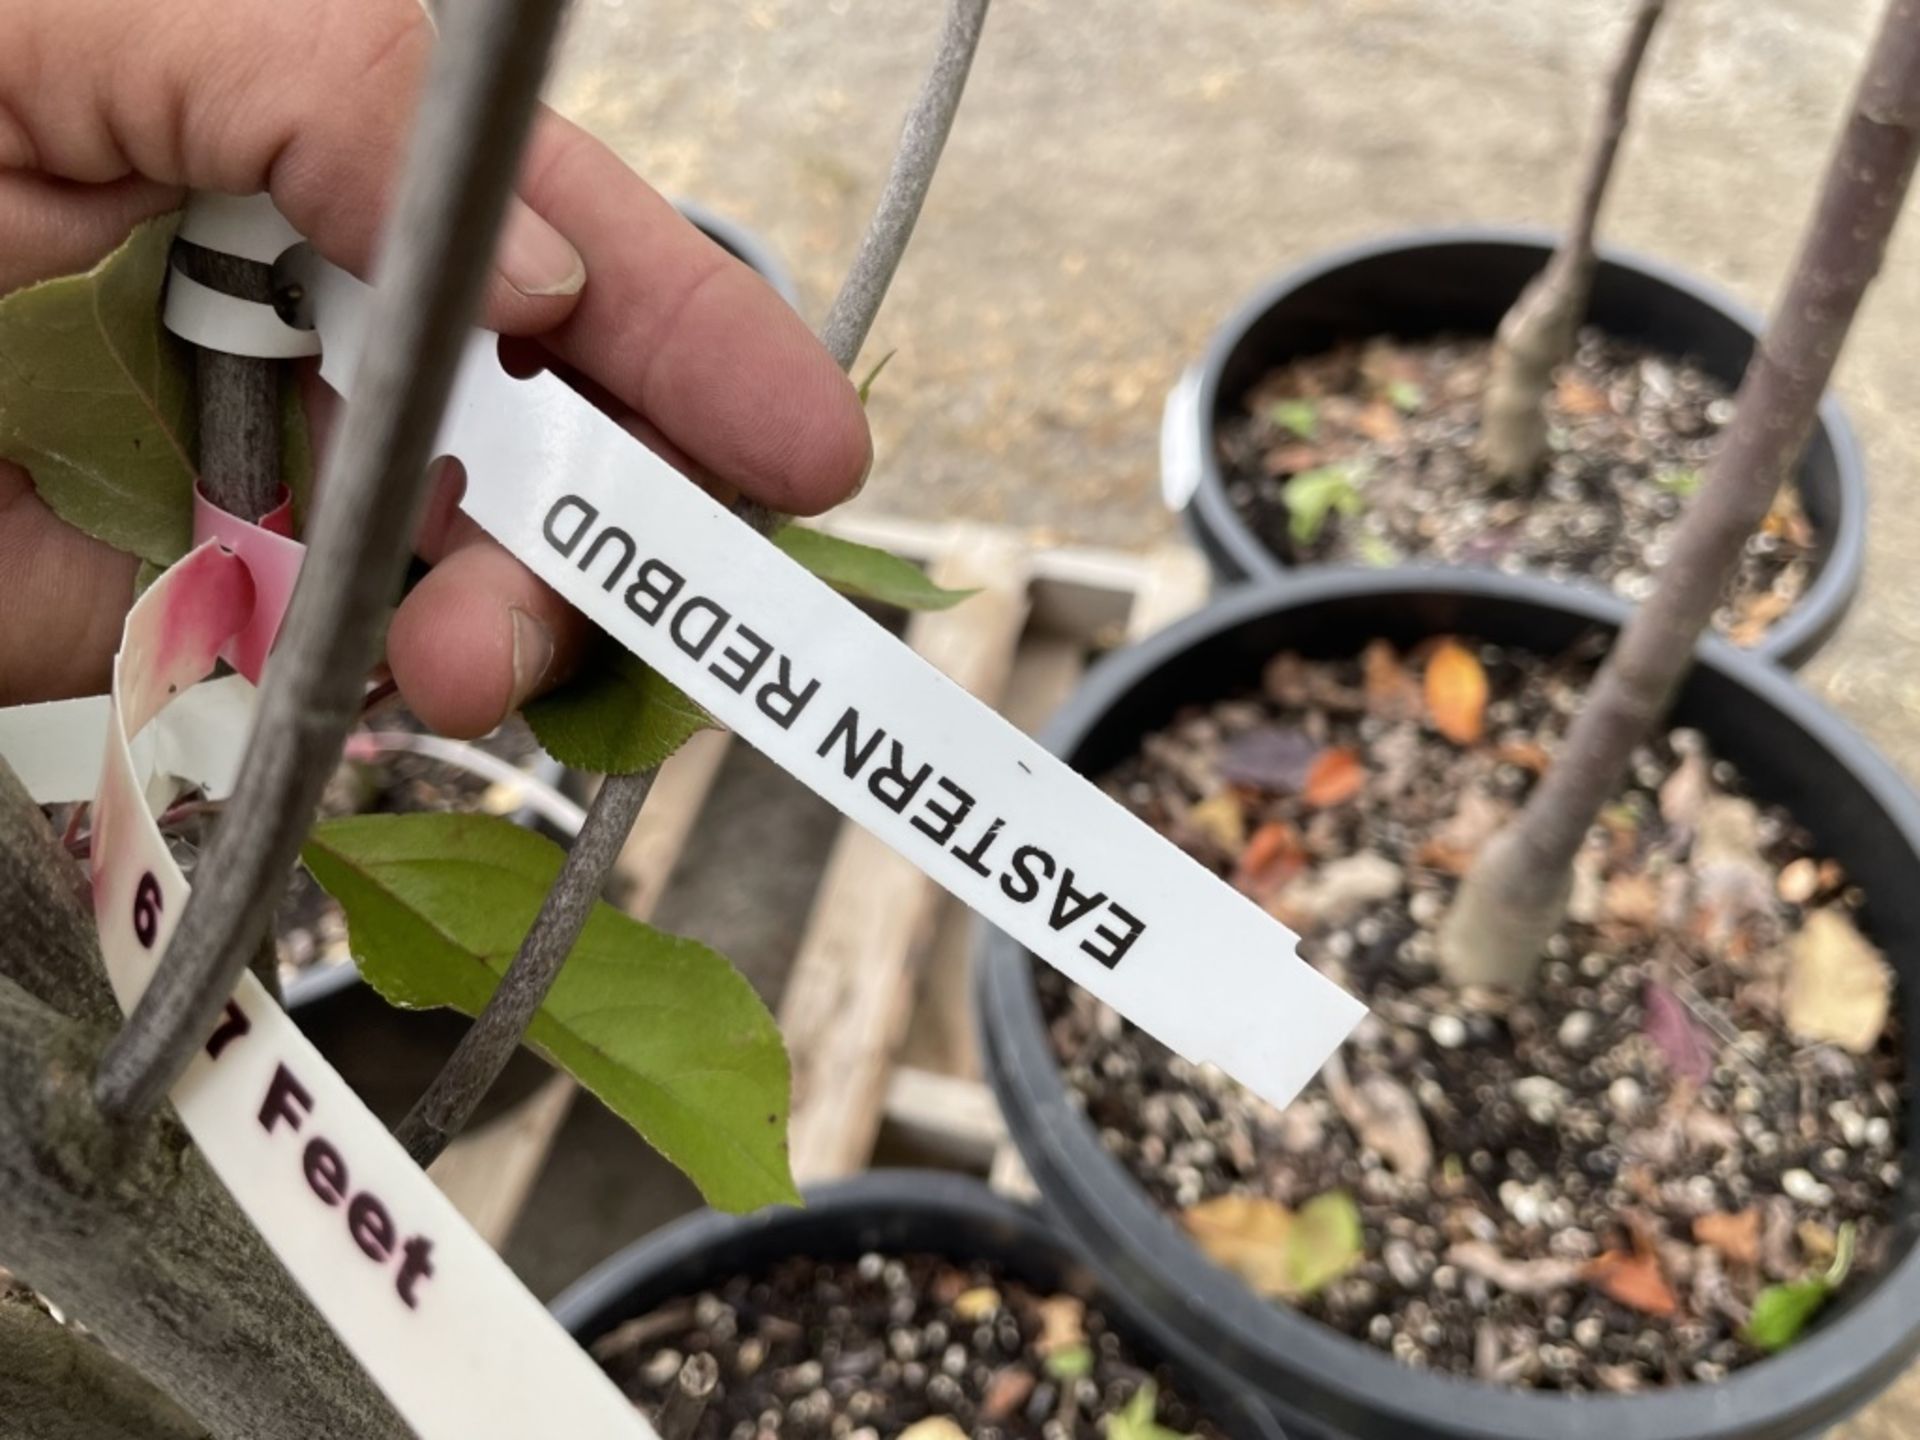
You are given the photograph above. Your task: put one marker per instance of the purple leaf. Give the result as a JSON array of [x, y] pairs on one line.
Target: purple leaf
[[1269, 758], [1683, 1042]]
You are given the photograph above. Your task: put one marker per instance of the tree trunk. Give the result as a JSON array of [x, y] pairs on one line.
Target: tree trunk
[[1537, 334], [126, 1230], [1515, 895], [56, 1384]]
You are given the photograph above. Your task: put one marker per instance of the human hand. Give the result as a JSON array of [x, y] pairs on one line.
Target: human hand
[[109, 112]]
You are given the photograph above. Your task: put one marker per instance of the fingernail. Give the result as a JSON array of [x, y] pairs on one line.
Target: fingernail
[[536, 258], [532, 654]]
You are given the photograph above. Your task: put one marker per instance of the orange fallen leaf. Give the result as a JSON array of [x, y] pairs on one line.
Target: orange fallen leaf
[[1635, 1280], [1577, 397], [1392, 692], [1457, 693], [1247, 1234], [1439, 855], [1527, 754], [1274, 855], [1335, 776], [1379, 421], [1735, 1236]]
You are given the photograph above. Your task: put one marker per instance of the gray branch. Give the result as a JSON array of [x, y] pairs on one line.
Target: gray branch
[[437, 1118], [465, 150], [125, 1228], [471, 1070], [918, 156]]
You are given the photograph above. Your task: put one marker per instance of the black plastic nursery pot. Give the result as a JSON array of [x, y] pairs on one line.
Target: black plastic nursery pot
[[1790, 750], [1461, 282], [899, 1212], [744, 245]]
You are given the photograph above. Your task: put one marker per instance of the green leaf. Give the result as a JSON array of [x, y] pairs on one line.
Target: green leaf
[[662, 1029], [1137, 1422], [866, 385], [863, 571], [1374, 550], [1313, 495], [1681, 482], [1781, 1312], [1302, 417], [1326, 1242], [1405, 396], [616, 716], [1070, 1362], [96, 401]]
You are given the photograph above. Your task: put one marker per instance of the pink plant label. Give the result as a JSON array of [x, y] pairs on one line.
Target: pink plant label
[[272, 558]]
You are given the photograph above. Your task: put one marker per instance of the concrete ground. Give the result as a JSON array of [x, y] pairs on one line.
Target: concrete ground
[[1123, 173]]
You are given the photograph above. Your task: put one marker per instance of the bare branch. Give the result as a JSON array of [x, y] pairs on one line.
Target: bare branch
[[483, 1052], [448, 1103], [480, 97], [1515, 895], [1537, 334], [918, 156]]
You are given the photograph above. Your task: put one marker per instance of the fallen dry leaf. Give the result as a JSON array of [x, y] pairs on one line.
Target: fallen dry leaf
[[1007, 1391], [1735, 1236], [1631, 899], [1757, 613], [1577, 397], [1342, 888], [1529, 755], [1837, 985], [1292, 458], [1683, 1042], [1457, 693], [1270, 757], [1392, 692], [1221, 819], [1274, 855], [1335, 777], [1379, 421], [1788, 519], [1247, 1234], [1385, 1117], [1062, 1323], [1280, 1253], [1635, 1279], [1518, 1277]]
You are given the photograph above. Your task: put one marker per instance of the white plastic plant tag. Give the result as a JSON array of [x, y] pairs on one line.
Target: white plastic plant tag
[[437, 1320], [802, 675]]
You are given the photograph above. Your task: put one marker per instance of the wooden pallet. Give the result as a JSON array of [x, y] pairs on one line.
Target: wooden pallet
[[878, 1009]]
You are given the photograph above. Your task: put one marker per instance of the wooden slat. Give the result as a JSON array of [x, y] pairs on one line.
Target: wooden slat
[[946, 1116], [1173, 583], [942, 1035], [489, 1171], [846, 1003]]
